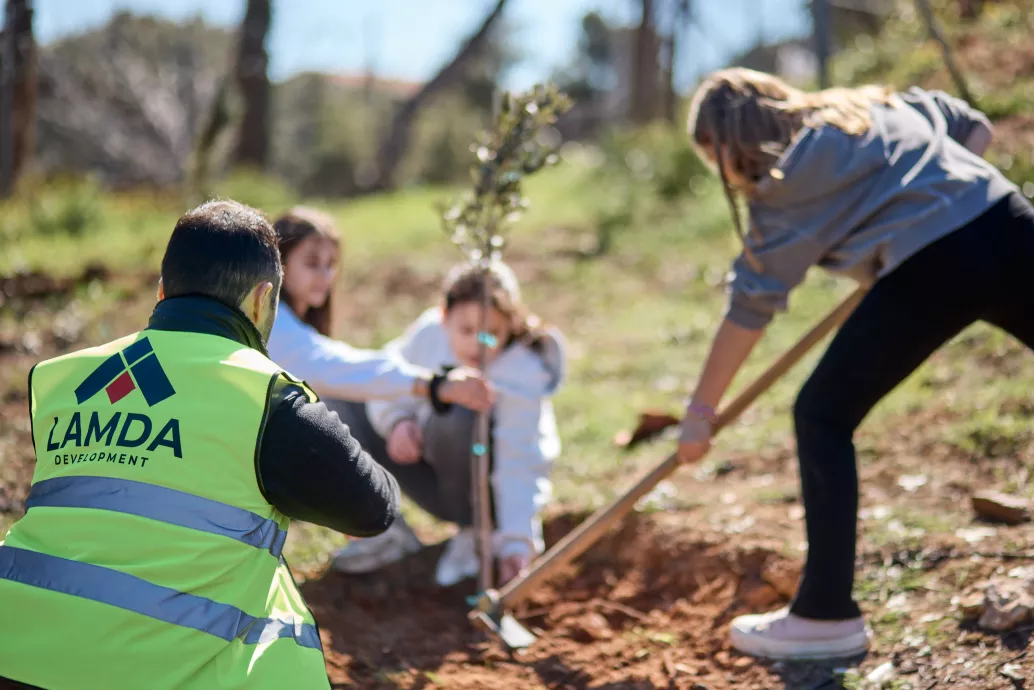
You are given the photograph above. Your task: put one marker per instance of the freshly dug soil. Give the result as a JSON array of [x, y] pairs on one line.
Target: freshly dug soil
[[647, 607]]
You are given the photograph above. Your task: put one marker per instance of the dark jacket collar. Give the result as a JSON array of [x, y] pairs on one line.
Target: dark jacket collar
[[207, 315]]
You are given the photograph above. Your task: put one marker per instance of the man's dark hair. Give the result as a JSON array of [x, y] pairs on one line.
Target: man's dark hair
[[221, 249]]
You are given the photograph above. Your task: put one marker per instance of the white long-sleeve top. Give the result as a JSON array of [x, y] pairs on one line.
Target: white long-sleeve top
[[334, 369], [524, 435]]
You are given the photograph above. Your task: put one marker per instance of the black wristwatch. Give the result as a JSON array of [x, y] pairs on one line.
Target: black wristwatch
[[432, 391]]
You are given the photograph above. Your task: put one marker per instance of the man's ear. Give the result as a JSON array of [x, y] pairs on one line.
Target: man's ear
[[258, 303], [161, 290]]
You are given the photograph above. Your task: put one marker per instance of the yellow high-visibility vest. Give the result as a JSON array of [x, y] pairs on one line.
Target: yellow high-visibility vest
[[148, 556]]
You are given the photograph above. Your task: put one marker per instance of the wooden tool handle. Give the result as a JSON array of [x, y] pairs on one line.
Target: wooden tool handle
[[588, 533]]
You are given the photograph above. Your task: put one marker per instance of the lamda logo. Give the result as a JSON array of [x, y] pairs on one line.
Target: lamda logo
[[145, 372], [135, 367]]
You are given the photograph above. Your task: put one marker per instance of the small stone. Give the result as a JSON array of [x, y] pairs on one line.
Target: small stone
[[743, 662], [595, 627], [972, 605], [782, 576], [1012, 672], [722, 659], [1007, 604], [999, 507], [1022, 572], [760, 596], [908, 667], [972, 535], [32, 343], [911, 482], [881, 676]]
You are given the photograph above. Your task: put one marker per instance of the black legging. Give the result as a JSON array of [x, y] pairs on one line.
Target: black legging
[[977, 273]]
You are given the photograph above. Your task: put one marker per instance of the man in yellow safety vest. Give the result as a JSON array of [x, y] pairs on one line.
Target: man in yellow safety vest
[[169, 465]]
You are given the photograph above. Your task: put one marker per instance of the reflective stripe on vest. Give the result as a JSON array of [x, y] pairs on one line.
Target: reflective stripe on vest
[[134, 594], [159, 503]]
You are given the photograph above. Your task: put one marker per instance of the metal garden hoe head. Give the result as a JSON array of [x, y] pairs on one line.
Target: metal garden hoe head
[[490, 618], [488, 614]]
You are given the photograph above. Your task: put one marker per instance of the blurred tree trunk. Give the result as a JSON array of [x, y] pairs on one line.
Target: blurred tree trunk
[[681, 14], [395, 141], [18, 93], [667, 60], [218, 120], [252, 78], [647, 67], [949, 57], [970, 9], [6, 115], [822, 36]]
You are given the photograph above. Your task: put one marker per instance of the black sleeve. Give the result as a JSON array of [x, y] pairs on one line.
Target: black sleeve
[[311, 469]]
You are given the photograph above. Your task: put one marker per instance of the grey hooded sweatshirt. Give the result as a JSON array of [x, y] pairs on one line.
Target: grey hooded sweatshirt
[[861, 205]]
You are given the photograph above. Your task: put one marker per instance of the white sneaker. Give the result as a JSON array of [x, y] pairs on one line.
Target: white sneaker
[[370, 554], [460, 559], [782, 635]]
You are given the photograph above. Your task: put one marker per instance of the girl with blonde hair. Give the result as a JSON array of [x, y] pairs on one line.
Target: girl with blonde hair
[[890, 189]]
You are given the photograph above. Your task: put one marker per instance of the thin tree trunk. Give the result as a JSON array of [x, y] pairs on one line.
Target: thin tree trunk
[[251, 72], [6, 113], [821, 30], [681, 16], [216, 122], [23, 122], [396, 138], [17, 94], [949, 57], [667, 46], [644, 90]]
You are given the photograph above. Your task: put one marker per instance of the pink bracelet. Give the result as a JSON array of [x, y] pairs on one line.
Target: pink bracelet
[[703, 411]]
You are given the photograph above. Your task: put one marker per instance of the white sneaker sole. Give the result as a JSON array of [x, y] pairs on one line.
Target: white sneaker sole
[[762, 646], [359, 558]]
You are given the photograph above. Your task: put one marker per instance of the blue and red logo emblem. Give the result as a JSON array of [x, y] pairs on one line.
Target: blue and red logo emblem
[[137, 366]]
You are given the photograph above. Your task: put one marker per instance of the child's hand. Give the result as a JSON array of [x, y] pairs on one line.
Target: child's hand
[[406, 442], [465, 387]]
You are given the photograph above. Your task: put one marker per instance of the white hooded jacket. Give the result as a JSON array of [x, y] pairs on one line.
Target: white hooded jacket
[[525, 439], [335, 369]]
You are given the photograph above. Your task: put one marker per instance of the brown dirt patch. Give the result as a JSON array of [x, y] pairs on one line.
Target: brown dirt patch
[[647, 607], [35, 285]]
